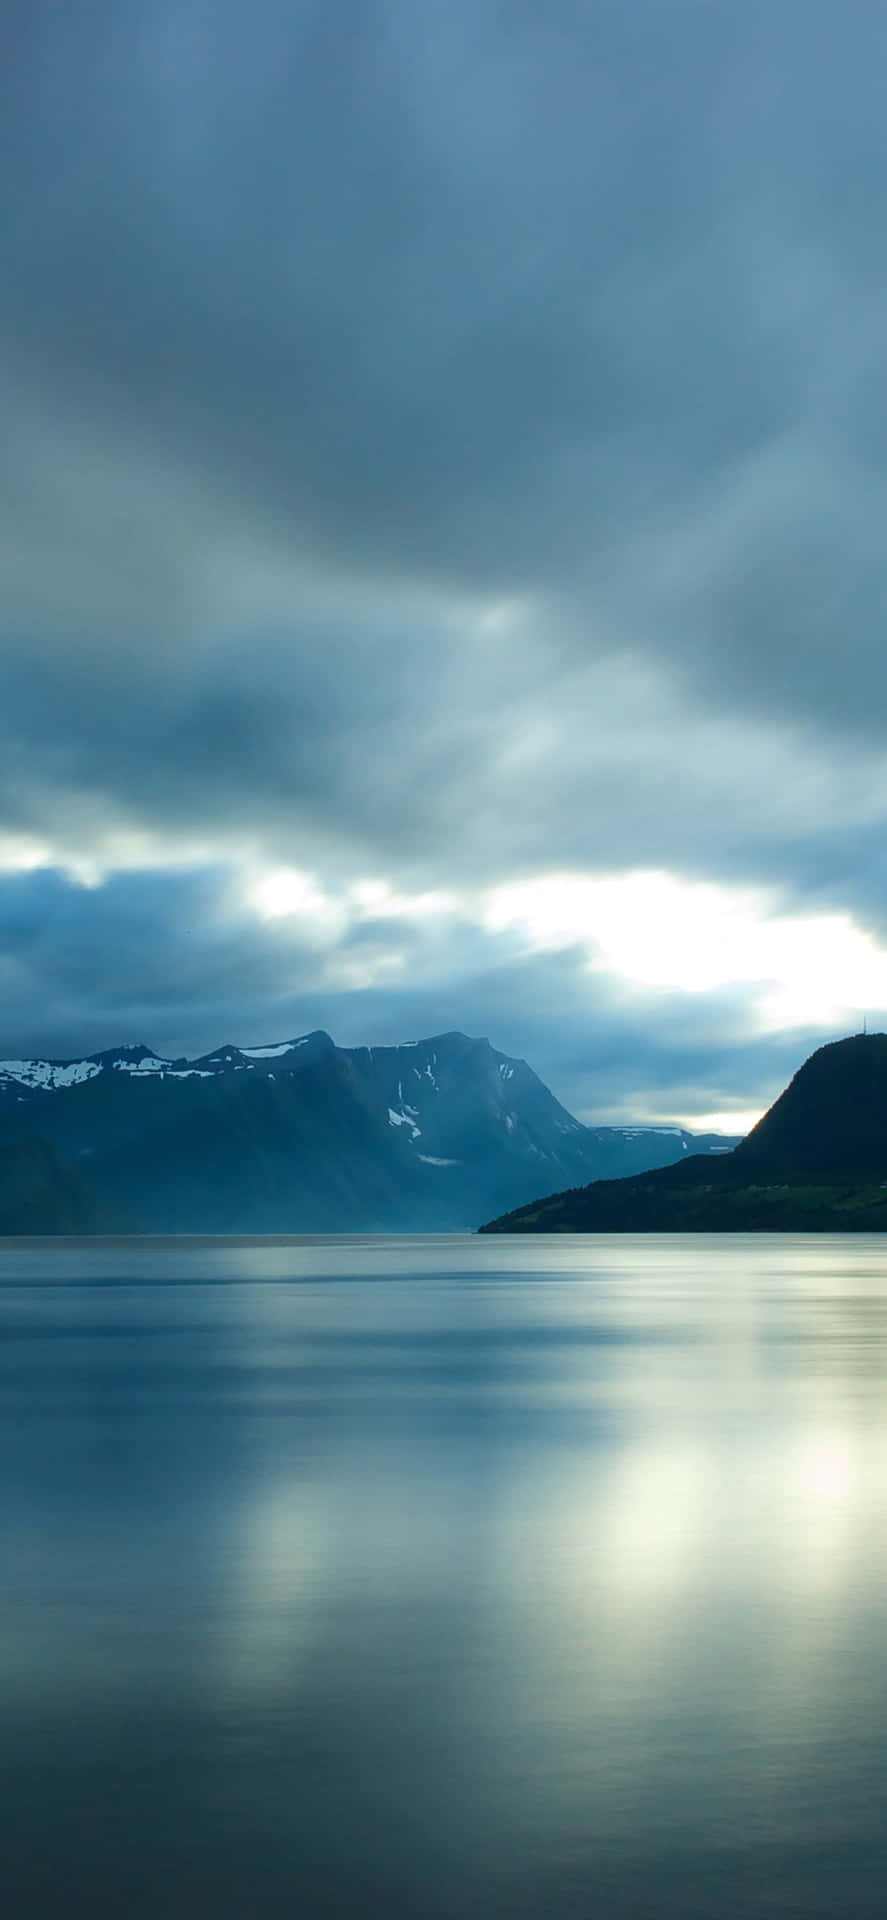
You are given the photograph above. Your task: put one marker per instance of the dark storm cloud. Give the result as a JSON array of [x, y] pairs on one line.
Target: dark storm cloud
[[467, 292], [390, 266], [153, 957], [446, 440]]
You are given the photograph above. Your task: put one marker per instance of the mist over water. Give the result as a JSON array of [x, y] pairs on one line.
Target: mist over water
[[444, 1577]]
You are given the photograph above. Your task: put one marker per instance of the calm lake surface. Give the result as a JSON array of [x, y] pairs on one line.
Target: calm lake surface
[[444, 1577]]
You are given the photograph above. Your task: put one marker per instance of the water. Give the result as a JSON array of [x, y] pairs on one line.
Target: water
[[444, 1577]]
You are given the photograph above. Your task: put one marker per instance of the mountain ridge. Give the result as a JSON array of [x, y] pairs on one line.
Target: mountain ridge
[[302, 1135]]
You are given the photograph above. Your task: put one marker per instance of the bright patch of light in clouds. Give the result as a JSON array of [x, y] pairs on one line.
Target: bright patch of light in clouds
[[732, 1120], [21, 855], [661, 932], [289, 894], [378, 901], [646, 931]]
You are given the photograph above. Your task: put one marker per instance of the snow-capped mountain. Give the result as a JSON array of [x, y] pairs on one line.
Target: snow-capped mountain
[[302, 1135]]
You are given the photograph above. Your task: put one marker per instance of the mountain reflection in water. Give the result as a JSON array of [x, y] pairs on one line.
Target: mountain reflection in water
[[444, 1577]]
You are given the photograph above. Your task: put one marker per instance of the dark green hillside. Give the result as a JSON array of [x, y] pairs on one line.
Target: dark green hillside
[[832, 1117], [40, 1193], [816, 1162]]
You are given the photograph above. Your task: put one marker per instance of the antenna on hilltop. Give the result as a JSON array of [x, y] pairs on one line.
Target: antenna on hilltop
[[865, 1024]]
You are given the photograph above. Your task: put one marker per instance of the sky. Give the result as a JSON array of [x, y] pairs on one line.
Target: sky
[[442, 568]]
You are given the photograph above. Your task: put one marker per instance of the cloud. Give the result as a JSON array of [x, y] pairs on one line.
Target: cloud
[[623, 1025], [443, 448]]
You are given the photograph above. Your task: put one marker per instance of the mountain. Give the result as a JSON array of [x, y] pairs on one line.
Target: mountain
[[40, 1193], [816, 1161], [305, 1136], [832, 1117]]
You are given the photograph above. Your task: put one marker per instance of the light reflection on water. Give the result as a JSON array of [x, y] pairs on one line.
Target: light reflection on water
[[444, 1576]]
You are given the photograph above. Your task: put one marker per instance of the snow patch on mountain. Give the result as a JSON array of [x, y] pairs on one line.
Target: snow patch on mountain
[[150, 1063], [641, 1133], [49, 1074], [275, 1052]]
